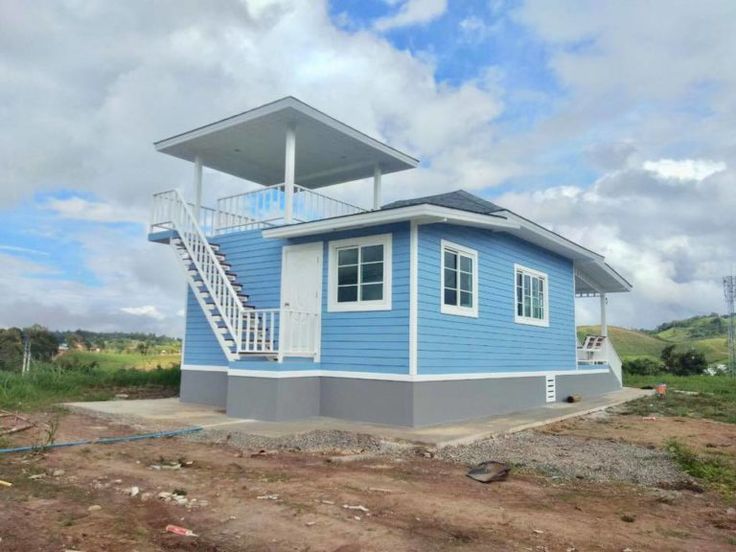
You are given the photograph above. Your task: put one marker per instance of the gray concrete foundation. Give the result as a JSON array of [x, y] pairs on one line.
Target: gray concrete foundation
[[399, 403], [273, 398], [587, 385], [204, 387]]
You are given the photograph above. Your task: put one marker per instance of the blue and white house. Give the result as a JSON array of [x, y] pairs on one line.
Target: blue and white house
[[417, 312]]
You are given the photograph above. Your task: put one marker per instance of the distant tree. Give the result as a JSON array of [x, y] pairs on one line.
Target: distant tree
[[667, 356], [689, 363], [643, 366], [11, 349], [44, 344], [686, 363]]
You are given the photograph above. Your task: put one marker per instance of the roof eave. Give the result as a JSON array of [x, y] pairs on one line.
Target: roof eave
[[285, 103], [425, 214]]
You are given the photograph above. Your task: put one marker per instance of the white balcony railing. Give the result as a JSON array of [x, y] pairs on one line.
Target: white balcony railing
[[598, 350], [282, 332], [268, 206]]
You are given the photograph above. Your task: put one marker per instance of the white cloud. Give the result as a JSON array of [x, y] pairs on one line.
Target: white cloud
[[412, 12], [77, 208], [146, 310], [16, 249], [684, 169]]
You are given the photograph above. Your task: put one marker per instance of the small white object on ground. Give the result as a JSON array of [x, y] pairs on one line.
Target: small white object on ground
[[268, 497], [358, 507]]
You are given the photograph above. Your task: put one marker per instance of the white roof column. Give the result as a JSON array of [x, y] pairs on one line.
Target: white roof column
[[289, 171], [197, 187], [377, 187], [604, 323]]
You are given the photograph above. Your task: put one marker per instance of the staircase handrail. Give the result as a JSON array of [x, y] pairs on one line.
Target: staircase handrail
[[232, 315]]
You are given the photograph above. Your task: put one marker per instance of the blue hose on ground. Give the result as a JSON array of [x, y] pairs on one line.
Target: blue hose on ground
[[104, 440]]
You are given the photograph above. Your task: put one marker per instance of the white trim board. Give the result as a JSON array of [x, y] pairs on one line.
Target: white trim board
[[203, 368], [279, 374], [413, 297]]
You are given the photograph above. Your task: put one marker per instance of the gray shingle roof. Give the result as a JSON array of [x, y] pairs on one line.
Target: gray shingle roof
[[459, 199]]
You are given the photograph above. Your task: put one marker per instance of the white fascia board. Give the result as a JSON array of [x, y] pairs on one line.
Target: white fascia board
[[574, 251], [279, 105], [277, 374], [423, 214]]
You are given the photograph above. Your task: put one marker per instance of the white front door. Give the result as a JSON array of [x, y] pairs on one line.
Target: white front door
[[301, 299]]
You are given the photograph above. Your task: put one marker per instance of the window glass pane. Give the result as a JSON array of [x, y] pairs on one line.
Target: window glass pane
[[466, 299], [466, 264], [450, 297], [520, 308], [541, 285], [519, 279], [527, 306], [347, 256], [450, 278], [347, 294], [535, 286], [450, 259], [371, 292], [372, 272], [466, 282], [527, 284], [347, 275], [371, 253]]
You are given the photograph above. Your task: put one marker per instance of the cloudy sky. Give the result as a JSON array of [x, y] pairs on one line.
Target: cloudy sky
[[611, 123]]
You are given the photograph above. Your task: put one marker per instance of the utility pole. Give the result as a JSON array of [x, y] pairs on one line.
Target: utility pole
[[729, 293], [26, 367]]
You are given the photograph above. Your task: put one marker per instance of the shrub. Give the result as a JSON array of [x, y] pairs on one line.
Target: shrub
[[689, 363], [643, 366]]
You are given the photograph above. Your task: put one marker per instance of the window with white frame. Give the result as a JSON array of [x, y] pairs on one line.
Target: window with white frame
[[532, 296], [459, 286], [360, 274]]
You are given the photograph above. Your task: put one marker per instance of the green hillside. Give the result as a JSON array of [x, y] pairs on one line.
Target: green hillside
[[628, 343], [702, 333]]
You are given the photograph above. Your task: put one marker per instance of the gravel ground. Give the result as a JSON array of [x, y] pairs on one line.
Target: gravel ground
[[558, 456], [569, 457], [337, 442]]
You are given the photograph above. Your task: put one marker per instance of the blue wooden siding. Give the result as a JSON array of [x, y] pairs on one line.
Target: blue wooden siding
[[493, 342], [351, 341], [369, 341], [200, 344]]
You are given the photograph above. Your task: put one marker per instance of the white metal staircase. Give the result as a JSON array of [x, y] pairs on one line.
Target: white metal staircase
[[240, 328]]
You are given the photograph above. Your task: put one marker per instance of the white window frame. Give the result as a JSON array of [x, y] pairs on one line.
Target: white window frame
[[544, 322], [457, 310], [357, 306]]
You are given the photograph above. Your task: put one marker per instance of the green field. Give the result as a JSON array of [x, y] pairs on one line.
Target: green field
[[715, 396], [113, 361], [47, 384]]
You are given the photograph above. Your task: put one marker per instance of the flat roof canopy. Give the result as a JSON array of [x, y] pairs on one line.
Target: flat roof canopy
[[251, 145]]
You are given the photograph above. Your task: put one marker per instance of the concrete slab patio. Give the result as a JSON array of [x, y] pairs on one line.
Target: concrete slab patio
[[170, 413]]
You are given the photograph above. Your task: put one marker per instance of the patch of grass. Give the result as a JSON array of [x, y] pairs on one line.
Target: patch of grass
[[117, 361], [715, 399], [47, 384], [717, 473]]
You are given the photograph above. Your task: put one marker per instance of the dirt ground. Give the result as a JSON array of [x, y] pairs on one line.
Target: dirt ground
[[80, 499], [699, 434]]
